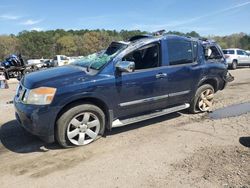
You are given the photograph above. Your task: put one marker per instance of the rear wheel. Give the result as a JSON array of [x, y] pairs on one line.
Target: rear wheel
[[234, 65], [80, 125], [203, 100]]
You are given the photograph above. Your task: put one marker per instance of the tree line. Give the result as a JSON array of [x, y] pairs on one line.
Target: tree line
[[46, 44]]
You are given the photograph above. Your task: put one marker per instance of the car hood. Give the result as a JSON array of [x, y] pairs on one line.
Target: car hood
[[55, 77]]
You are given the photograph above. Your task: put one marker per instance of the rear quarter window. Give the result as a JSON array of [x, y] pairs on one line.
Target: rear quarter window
[[228, 51]]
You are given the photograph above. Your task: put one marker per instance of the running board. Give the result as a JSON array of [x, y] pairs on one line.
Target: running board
[[120, 123]]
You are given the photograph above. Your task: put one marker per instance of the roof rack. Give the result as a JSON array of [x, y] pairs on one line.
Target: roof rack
[[156, 33], [159, 33], [137, 37]]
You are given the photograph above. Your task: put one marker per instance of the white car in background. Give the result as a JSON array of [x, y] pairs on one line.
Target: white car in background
[[37, 62], [60, 60], [236, 57]]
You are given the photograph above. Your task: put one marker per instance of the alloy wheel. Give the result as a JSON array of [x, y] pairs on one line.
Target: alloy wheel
[[205, 101], [83, 128]]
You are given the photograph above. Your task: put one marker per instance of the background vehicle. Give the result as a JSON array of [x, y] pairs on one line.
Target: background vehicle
[[40, 63], [60, 60], [236, 57], [13, 66], [145, 77]]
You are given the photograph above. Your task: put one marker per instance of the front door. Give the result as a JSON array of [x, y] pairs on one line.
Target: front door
[[246, 58], [241, 57], [141, 91]]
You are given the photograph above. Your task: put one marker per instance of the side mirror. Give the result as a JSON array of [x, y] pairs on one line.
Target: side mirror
[[125, 66]]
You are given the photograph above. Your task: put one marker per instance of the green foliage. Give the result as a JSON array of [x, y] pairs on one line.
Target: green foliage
[[66, 45], [190, 34], [8, 45], [46, 44], [95, 41], [240, 40], [36, 44]]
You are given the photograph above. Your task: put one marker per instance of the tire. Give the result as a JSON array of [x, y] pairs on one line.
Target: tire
[[80, 125], [206, 92], [234, 65]]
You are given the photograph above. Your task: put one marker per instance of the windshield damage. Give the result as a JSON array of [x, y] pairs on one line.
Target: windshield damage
[[98, 60]]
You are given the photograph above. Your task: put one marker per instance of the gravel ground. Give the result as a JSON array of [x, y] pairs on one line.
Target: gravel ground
[[176, 150]]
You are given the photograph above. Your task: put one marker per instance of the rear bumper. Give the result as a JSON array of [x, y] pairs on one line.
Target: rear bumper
[[38, 120]]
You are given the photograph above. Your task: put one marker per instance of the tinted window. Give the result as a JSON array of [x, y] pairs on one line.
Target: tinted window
[[180, 51], [62, 58], [145, 57], [228, 51], [244, 53], [240, 52]]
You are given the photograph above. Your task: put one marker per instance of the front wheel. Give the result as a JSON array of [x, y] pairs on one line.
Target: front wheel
[[80, 125], [203, 100]]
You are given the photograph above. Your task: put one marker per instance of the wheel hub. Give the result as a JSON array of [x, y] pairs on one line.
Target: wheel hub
[[83, 128]]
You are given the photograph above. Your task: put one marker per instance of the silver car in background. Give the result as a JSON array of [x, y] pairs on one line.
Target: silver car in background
[[236, 57]]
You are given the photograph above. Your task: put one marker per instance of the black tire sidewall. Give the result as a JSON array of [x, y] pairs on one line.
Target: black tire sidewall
[[234, 65], [64, 120]]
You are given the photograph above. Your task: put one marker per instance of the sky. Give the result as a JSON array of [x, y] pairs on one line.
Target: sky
[[207, 17]]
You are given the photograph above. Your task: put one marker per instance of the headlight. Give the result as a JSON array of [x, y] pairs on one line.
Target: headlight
[[39, 96]]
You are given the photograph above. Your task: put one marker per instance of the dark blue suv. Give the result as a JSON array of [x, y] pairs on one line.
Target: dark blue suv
[[146, 77]]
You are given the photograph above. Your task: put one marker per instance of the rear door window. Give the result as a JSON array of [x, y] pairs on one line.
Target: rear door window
[[180, 51]]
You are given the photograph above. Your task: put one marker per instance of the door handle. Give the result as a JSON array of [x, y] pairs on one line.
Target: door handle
[[161, 75]]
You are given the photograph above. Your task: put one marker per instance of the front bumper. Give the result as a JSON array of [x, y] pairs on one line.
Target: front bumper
[[228, 77], [38, 120]]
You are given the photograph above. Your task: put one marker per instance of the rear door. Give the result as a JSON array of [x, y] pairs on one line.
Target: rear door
[[183, 70]]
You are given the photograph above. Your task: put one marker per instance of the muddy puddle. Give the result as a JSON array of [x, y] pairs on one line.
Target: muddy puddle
[[230, 111]]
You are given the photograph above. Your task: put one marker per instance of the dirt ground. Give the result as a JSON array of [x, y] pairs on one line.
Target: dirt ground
[[176, 150]]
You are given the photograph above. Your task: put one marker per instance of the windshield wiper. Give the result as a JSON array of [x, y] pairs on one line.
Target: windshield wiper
[[89, 66]]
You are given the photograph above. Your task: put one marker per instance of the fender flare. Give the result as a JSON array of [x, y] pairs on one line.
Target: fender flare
[[80, 97]]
